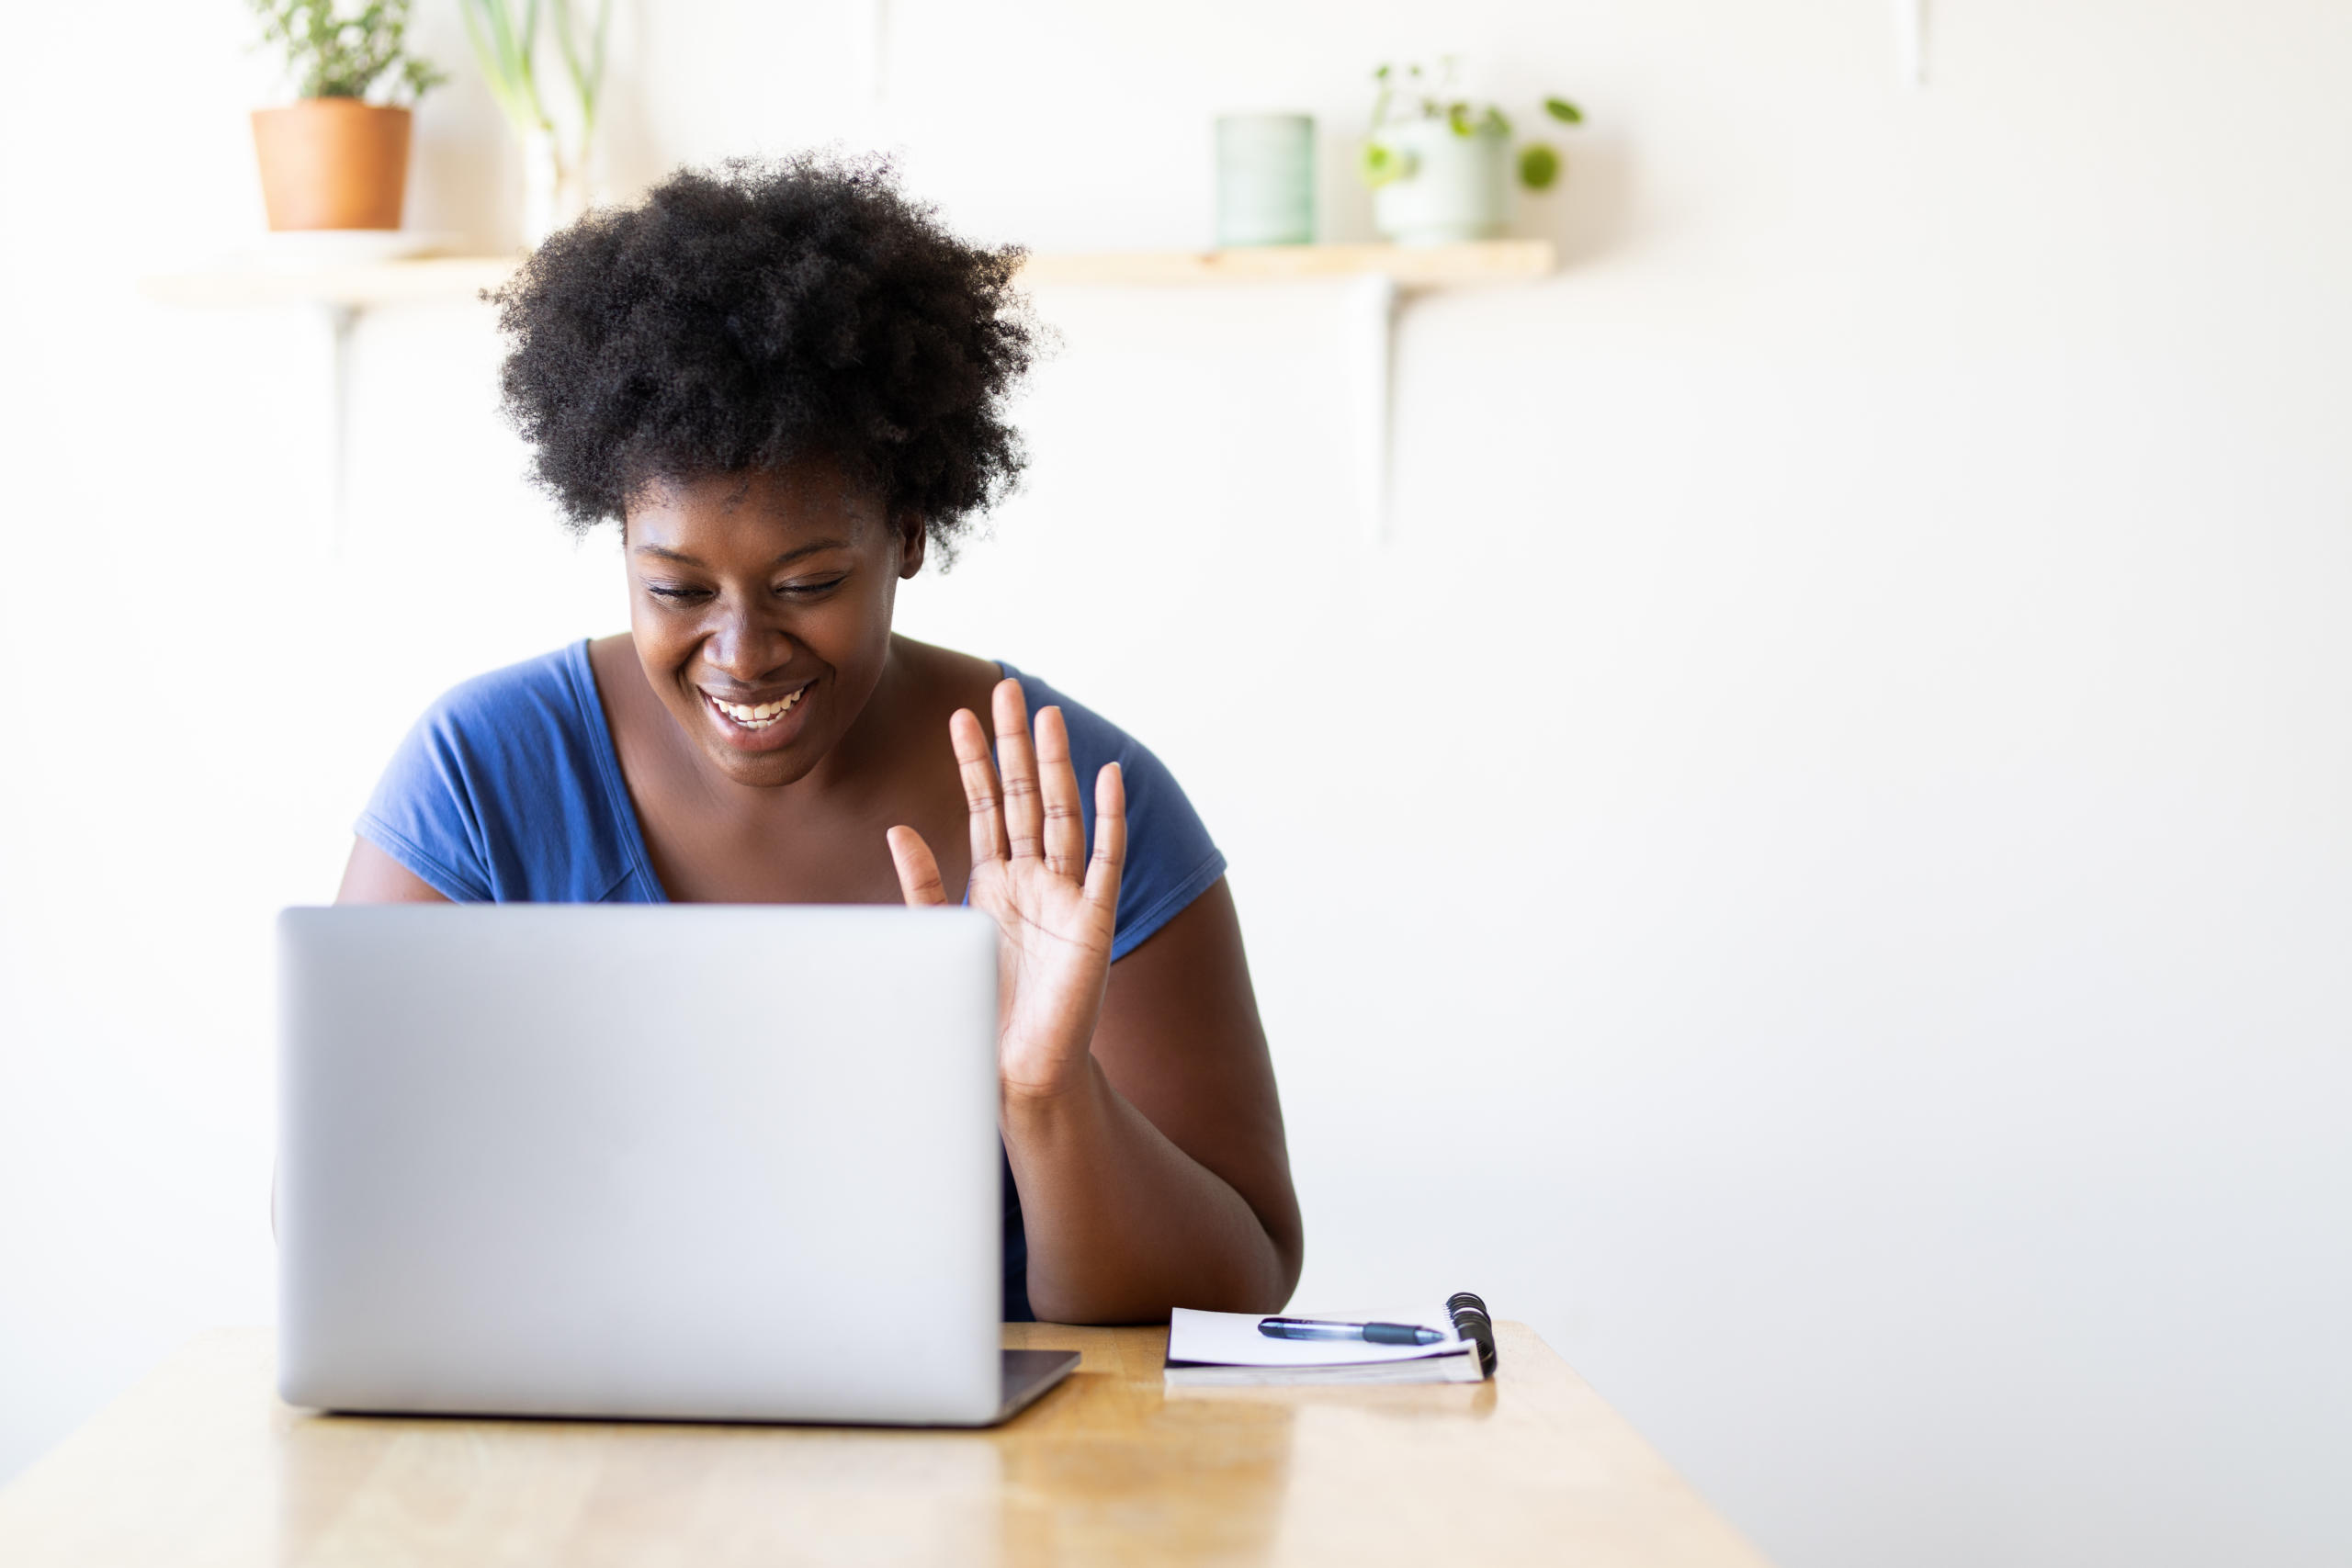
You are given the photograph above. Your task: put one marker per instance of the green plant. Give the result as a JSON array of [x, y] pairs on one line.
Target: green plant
[[506, 40], [1419, 95], [337, 50]]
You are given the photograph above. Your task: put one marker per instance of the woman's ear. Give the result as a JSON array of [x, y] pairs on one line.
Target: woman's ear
[[914, 539]]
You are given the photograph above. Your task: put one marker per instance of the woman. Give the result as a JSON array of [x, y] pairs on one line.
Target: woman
[[786, 384]]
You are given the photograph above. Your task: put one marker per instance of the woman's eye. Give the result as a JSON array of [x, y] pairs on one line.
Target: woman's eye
[[676, 593], [809, 590]]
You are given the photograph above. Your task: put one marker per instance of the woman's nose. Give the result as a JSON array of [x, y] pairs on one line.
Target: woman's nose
[[742, 649]]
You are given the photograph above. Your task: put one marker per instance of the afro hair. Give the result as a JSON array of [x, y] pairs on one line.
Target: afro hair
[[743, 318]]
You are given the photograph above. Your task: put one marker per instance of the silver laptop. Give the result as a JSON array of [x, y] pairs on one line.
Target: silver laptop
[[686, 1162]]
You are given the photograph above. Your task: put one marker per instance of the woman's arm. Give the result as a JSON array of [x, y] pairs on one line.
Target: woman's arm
[[1162, 1179], [371, 876], [1137, 1103]]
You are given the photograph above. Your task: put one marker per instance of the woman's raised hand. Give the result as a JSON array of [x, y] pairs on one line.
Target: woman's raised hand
[[1056, 909]]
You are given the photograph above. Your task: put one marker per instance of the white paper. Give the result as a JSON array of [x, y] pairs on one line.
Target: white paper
[[1231, 1339]]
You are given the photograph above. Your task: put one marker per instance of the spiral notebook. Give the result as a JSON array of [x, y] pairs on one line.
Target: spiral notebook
[[1224, 1349]]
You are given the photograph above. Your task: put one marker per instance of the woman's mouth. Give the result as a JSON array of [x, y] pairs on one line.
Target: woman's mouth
[[754, 717]]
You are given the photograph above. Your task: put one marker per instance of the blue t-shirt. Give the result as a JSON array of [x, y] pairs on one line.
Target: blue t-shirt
[[509, 791]]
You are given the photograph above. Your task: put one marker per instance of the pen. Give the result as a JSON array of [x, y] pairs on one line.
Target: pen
[[1371, 1333]]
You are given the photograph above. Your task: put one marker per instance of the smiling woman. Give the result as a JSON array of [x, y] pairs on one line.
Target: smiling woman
[[784, 382]]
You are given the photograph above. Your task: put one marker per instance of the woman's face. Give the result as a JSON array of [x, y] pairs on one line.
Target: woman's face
[[761, 608]]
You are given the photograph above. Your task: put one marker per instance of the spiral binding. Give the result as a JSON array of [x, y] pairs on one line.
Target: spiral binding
[[1470, 1321]]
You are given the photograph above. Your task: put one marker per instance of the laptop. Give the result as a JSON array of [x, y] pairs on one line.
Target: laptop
[[672, 1162]]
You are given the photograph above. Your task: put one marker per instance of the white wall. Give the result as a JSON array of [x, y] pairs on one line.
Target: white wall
[[1841, 774]]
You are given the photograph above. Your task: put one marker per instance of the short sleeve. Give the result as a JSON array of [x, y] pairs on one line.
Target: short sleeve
[[503, 792], [423, 814], [1171, 860]]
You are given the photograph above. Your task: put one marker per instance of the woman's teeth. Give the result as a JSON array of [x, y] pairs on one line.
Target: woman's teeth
[[758, 717]]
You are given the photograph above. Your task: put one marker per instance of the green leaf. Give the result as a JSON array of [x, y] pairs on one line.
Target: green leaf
[[505, 61], [1379, 166], [480, 19], [1381, 74], [1538, 166], [337, 50], [1495, 122], [526, 39], [1564, 111], [587, 76], [1457, 115]]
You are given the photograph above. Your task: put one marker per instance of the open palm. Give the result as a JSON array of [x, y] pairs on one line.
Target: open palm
[[1056, 910]]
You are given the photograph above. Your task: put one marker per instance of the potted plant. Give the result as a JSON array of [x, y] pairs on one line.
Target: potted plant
[[1439, 166], [337, 158]]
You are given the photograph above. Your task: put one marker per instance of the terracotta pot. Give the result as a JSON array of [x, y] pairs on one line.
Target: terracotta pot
[[333, 164]]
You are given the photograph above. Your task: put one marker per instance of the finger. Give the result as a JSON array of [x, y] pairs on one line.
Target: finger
[[1058, 782], [1025, 817], [1110, 839], [979, 785], [918, 869]]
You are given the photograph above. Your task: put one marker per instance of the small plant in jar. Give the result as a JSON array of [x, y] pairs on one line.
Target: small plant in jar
[[1440, 165]]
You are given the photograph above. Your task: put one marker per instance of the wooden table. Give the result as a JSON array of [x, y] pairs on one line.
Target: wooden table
[[201, 1465]]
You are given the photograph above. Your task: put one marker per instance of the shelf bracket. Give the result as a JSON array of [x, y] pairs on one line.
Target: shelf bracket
[[341, 320], [1372, 303], [871, 47], [1911, 42]]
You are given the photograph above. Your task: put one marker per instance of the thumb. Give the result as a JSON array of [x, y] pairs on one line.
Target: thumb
[[918, 869]]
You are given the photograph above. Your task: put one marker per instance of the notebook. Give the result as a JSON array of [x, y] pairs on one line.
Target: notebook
[[1225, 1349]]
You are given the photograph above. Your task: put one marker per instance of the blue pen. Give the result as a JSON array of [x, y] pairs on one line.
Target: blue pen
[[1371, 1333]]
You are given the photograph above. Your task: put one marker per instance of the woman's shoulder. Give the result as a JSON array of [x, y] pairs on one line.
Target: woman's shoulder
[[1171, 859], [545, 693], [1092, 737], [523, 730]]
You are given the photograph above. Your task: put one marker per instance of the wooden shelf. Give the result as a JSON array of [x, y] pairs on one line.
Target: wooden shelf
[[436, 278], [1407, 266], [352, 285], [1376, 278]]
